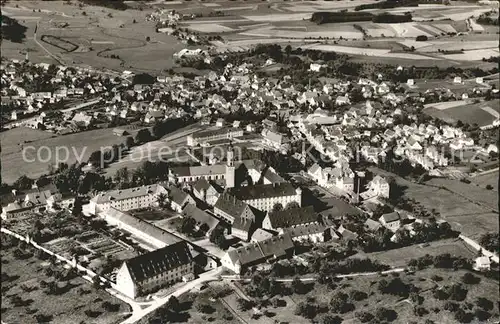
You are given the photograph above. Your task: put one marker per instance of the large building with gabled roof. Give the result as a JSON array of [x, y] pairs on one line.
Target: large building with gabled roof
[[265, 196], [127, 199], [151, 271], [289, 218], [276, 247]]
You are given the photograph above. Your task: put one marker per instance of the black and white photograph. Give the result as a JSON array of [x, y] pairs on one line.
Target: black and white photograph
[[249, 161]]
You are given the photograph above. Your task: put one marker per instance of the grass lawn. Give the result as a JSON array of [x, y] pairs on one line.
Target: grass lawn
[[68, 307], [486, 197], [66, 148], [400, 257], [445, 202], [487, 179]]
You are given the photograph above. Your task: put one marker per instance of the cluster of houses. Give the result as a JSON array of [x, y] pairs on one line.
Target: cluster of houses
[[20, 204]]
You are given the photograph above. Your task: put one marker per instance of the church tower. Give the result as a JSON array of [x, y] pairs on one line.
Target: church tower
[[230, 167]]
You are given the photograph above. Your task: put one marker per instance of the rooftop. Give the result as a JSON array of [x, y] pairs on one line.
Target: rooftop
[[159, 261], [292, 217], [265, 191]]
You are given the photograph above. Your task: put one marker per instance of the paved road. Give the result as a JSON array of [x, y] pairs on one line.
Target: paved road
[[204, 277], [305, 279]]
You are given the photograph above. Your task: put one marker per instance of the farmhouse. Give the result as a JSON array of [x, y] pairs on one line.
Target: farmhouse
[[229, 208], [289, 218], [148, 272], [391, 221], [274, 248], [207, 191], [179, 199]]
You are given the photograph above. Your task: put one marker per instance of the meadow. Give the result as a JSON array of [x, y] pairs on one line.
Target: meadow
[[44, 150], [483, 113]]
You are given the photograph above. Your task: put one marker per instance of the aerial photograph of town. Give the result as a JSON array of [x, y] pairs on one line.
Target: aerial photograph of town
[[250, 162]]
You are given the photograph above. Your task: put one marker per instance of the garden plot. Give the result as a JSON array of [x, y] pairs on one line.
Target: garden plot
[[473, 55]]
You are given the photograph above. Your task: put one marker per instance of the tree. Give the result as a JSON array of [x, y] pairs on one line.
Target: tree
[[385, 314], [129, 142], [339, 303], [95, 158], [297, 286], [244, 305], [204, 308], [23, 183], [484, 303], [143, 136], [330, 319], [77, 207], [364, 317], [148, 38], [217, 237], [306, 309], [162, 199], [292, 205], [469, 279]]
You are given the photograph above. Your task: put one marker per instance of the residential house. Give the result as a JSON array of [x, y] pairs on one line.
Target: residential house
[[286, 218], [179, 199], [229, 208], [391, 221], [207, 191], [274, 248]]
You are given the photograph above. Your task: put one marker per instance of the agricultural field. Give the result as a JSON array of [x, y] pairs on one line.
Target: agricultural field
[[118, 39], [44, 147], [458, 209], [400, 257], [487, 198], [75, 302], [483, 113], [97, 33], [490, 178]]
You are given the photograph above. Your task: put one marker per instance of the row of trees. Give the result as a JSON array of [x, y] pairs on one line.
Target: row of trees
[[343, 16]]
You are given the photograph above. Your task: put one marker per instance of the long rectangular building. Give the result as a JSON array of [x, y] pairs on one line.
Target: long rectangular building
[[265, 196], [213, 135], [127, 199], [151, 271]]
